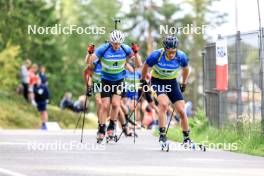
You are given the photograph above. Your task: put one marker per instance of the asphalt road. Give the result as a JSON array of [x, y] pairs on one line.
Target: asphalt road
[[38, 153]]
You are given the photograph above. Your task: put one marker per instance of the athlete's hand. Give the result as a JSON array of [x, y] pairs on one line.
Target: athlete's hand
[[135, 47], [90, 48], [182, 87], [89, 91]]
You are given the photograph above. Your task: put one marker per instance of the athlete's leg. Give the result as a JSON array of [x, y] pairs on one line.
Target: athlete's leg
[[177, 99], [115, 105], [180, 108], [124, 123], [124, 105], [121, 117], [163, 108], [98, 103], [104, 110]]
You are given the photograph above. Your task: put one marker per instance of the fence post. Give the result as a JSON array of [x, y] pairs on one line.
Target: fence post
[[238, 78], [261, 56], [204, 87]]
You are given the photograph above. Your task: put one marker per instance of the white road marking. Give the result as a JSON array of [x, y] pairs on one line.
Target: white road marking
[[10, 173]]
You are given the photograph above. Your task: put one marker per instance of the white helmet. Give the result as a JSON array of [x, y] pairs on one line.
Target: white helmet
[[117, 36]]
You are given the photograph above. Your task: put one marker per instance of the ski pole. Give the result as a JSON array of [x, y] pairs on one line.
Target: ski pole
[[130, 115], [84, 111], [170, 121]]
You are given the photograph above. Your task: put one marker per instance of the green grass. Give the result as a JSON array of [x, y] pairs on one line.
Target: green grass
[[16, 113], [247, 138]]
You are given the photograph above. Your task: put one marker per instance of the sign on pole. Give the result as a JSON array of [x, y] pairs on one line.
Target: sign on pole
[[221, 65]]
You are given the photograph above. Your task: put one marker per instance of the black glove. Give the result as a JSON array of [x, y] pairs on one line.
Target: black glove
[[148, 97], [182, 87], [89, 91], [145, 89], [143, 83]]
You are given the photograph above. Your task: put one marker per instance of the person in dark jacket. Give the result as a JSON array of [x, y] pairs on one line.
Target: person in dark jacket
[[42, 75], [41, 93]]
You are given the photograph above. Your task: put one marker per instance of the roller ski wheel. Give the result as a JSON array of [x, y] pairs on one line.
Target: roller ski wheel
[[111, 137], [100, 138], [165, 146], [202, 147], [189, 144]]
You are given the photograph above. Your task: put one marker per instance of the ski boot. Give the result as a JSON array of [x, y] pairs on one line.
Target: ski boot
[[44, 126], [163, 140], [187, 142], [111, 136]]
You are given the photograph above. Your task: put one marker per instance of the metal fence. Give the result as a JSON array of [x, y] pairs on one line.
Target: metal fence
[[242, 100]]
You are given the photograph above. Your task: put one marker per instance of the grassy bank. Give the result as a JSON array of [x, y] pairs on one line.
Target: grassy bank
[[15, 113], [247, 138]]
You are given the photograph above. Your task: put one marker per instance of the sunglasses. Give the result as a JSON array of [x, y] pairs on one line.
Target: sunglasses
[[170, 51]]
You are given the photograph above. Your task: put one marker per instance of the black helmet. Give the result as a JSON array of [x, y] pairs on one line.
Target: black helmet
[[170, 42]]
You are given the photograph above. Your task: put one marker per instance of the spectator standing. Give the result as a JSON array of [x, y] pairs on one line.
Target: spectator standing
[[33, 78], [24, 75], [41, 94], [42, 75]]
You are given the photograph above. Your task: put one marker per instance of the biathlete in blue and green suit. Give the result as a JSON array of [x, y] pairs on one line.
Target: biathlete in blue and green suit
[[113, 58], [166, 64]]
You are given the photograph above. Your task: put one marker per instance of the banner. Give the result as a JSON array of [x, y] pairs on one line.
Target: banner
[[221, 65]]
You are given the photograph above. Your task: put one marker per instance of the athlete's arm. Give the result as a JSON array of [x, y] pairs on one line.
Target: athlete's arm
[[138, 60], [185, 74], [87, 58], [151, 60], [90, 61], [89, 70], [144, 71], [129, 67]]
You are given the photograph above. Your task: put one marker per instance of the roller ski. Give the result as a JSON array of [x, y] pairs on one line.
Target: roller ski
[[189, 144], [164, 144], [100, 134], [111, 136]]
